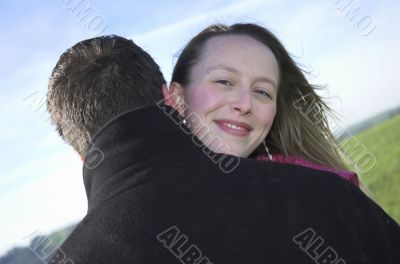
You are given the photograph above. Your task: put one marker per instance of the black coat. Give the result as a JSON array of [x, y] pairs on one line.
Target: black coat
[[156, 195]]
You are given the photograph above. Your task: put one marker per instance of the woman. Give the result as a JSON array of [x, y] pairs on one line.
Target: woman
[[238, 85]]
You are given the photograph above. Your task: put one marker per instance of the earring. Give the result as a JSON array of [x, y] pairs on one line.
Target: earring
[[186, 123], [267, 151]]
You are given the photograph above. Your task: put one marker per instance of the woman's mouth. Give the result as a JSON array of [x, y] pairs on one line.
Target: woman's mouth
[[234, 127]]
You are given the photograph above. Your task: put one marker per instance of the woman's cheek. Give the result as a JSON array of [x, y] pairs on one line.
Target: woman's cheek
[[267, 113], [206, 98]]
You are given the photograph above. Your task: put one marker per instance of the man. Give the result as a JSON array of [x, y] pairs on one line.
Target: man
[[94, 81], [155, 197]]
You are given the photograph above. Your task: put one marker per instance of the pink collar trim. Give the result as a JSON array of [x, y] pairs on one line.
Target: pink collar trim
[[280, 158]]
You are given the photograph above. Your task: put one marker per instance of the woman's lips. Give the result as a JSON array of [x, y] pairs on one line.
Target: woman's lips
[[234, 127]]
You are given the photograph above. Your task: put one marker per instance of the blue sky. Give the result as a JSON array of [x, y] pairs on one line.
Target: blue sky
[[41, 186]]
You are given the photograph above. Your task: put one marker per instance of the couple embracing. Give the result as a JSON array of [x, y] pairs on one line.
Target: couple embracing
[[158, 191]]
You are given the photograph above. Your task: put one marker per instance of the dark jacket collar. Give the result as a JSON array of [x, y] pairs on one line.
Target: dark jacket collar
[[122, 151]]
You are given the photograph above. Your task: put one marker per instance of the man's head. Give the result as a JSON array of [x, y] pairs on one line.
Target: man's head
[[96, 80]]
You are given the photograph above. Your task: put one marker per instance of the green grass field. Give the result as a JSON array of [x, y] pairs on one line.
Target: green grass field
[[382, 181]]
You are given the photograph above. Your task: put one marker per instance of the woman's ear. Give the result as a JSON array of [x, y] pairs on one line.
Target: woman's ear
[[173, 96]]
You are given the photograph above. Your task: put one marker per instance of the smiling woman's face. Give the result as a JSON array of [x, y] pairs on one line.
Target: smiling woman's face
[[232, 92]]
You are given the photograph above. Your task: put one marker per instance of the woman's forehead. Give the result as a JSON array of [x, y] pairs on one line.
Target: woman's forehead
[[238, 54]]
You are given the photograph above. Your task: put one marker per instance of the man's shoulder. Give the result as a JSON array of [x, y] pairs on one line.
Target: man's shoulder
[[88, 243]]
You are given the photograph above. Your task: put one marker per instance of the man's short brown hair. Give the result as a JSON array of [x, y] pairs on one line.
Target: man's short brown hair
[[96, 80]]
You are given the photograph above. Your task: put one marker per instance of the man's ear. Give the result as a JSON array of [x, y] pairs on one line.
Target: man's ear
[[173, 96]]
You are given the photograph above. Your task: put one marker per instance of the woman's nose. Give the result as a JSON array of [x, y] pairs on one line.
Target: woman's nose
[[242, 102]]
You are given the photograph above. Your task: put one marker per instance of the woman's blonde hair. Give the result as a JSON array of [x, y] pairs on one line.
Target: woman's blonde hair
[[301, 124]]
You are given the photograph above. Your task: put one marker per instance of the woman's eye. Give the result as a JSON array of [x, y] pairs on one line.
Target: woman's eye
[[224, 82], [263, 93]]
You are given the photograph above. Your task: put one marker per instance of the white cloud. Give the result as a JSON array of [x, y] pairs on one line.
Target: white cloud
[[196, 22]]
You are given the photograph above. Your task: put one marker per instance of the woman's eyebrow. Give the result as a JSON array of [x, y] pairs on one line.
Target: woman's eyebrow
[[233, 70], [222, 67], [267, 80]]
